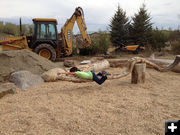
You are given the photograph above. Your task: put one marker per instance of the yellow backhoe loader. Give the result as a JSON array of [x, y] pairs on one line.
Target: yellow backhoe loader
[[131, 46], [46, 41]]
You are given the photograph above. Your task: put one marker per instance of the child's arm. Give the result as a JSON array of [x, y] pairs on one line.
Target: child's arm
[[67, 73]]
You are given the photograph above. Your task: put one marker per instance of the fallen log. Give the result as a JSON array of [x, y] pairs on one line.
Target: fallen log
[[129, 69], [168, 65]]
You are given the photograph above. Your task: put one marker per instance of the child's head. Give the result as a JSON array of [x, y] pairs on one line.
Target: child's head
[[74, 69]]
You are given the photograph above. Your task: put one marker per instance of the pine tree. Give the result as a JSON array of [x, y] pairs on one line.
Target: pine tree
[[141, 27], [119, 27]]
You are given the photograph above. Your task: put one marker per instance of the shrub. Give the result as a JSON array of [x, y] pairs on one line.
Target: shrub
[[99, 45], [176, 48]]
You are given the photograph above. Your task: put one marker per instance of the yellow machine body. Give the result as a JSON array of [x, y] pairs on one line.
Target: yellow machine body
[[131, 47]]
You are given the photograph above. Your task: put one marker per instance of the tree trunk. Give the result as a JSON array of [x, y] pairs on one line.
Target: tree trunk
[[138, 73]]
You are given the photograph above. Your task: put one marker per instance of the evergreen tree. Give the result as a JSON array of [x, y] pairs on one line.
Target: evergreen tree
[[119, 27], [141, 27]]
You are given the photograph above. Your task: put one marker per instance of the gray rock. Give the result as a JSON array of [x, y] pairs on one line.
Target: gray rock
[[85, 62], [70, 63], [25, 79], [7, 88]]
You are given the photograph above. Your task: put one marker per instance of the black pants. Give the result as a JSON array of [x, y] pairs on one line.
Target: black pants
[[96, 79]]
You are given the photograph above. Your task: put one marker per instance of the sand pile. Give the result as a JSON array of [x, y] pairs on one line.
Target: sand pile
[[11, 61]]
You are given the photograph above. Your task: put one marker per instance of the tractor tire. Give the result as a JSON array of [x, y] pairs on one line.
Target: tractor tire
[[136, 52], [46, 51]]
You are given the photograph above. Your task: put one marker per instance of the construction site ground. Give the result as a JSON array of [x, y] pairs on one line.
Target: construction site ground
[[116, 107]]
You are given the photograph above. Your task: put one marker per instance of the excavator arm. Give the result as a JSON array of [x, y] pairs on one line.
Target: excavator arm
[[66, 32]]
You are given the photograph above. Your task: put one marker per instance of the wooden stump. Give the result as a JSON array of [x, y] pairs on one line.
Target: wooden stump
[[138, 73]]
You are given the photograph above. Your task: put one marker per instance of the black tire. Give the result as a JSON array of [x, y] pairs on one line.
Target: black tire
[[48, 48], [136, 51]]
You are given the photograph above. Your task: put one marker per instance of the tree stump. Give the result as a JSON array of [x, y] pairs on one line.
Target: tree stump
[[138, 73]]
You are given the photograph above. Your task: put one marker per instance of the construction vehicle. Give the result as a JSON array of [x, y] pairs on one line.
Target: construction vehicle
[[131, 46], [46, 41]]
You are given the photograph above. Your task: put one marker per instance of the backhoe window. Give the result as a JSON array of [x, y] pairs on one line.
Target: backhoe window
[[51, 32], [41, 31], [46, 31]]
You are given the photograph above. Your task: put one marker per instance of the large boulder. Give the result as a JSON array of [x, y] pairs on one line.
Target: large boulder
[[52, 74], [25, 79], [70, 63]]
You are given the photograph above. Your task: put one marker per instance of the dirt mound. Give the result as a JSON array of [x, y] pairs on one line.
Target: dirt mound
[[11, 61]]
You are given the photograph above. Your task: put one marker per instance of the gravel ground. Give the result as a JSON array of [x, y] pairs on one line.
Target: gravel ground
[[116, 107]]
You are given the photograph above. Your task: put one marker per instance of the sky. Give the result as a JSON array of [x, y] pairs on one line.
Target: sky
[[98, 13]]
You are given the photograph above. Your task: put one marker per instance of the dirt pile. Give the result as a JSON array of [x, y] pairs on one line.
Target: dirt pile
[[11, 61]]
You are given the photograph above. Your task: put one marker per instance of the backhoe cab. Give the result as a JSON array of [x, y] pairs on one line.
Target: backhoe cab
[[46, 41]]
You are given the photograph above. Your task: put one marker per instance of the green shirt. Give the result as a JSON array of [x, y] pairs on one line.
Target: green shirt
[[84, 75]]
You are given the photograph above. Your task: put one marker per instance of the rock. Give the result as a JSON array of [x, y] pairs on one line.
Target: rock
[[51, 75], [7, 88], [25, 79], [70, 63], [85, 62]]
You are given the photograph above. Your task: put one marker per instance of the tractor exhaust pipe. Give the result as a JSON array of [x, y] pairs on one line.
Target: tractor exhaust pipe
[[20, 27]]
